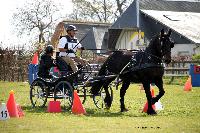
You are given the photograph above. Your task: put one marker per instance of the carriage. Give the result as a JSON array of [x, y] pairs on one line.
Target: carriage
[[144, 67], [61, 87]]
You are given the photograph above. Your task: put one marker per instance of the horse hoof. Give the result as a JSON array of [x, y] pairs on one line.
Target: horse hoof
[[107, 107], [151, 112], [124, 110]]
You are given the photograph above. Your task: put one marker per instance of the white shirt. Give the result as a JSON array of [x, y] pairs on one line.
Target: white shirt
[[71, 45]]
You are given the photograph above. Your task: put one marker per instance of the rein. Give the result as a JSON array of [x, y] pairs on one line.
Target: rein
[[160, 58], [152, 55]]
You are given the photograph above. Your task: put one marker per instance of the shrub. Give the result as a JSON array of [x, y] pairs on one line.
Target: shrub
[[196, 57]]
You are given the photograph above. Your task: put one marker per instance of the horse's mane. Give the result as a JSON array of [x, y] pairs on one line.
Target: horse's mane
[[153, 40]]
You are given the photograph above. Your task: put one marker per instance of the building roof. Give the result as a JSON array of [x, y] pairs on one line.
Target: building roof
[[125, 21], [59, 30], [113, 35], [171, 5], [181, 16], [128, 20], [93, 33], [86, 27], [185, 23]]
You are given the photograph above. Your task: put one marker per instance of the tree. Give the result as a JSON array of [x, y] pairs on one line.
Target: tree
[[99, 10], [38, 16], [120, 5], [94, 10]]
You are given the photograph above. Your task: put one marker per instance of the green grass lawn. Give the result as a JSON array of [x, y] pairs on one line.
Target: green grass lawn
[[181, 113]]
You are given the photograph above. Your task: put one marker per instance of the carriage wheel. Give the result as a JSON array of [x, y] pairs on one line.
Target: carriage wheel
[[99, 99], [64, 93], [38, 93]]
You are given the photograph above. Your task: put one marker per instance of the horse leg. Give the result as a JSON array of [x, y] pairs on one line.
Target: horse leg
[[150, 110], [108, 99], [159, 84], [123, 89]]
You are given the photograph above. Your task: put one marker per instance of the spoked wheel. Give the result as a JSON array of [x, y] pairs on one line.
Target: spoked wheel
[[38, 93], [99, 99], [64, 93]]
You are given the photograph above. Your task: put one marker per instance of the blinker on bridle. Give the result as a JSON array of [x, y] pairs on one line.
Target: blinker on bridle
[[163, 51]]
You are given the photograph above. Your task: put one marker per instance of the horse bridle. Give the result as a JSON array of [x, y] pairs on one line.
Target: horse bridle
[[165, 51]]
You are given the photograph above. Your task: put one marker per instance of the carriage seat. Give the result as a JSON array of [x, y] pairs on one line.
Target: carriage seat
[[63, 67]]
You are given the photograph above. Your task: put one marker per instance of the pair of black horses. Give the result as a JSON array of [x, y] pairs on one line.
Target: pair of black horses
[[144, 67]]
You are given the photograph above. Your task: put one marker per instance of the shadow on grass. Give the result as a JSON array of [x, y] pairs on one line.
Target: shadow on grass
[[90, 112], [35, 110], [107, 113]]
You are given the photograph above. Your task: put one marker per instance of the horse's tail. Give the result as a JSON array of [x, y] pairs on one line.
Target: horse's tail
[[96, 86]]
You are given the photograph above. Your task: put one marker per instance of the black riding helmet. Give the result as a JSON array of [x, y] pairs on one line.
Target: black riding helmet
[[71, 27], [49, 49]]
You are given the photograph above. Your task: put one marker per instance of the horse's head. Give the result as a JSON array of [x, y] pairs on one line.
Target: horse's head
[[166, 44]]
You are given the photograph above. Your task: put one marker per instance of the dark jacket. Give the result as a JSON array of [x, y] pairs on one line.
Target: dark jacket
[[46, 62]]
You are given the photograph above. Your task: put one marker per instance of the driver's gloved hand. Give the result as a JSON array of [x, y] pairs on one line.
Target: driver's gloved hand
[[70, 51]]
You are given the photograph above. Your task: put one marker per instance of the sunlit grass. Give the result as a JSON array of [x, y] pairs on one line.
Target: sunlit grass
[[181, 113]]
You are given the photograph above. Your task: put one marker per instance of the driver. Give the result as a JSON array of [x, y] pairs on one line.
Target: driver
[[68, 47]]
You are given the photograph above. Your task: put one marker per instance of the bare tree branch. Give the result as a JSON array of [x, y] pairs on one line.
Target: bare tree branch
[[98, 10], [35, 16]]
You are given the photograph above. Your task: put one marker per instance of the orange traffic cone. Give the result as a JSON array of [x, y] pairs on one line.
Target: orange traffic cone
[[188, 85], [54, 107], [77, 107], [146, 104], [152, 92], [12, 106], [35, 59]]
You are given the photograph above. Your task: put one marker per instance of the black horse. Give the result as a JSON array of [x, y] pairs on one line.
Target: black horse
[[144, 67]]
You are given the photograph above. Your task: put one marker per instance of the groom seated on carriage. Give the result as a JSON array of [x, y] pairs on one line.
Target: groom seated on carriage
[[46, 63]]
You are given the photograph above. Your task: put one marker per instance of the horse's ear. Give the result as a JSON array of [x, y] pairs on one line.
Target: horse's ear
[[162, 32], [169, 32]]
